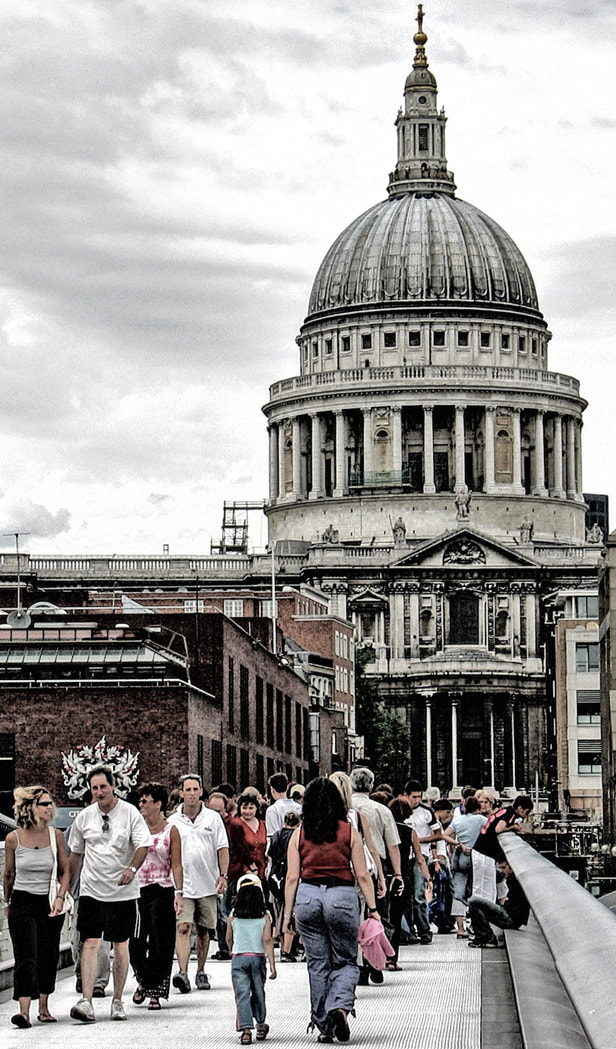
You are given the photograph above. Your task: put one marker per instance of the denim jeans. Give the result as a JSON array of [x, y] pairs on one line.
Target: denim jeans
[[327, 921], [419, 909], [482, 912], [248, 976]]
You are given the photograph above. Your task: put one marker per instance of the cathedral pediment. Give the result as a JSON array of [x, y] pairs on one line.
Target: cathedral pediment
[[463, 548]]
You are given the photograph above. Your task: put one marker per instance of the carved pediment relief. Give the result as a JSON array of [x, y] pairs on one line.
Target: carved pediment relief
[[462, 551]]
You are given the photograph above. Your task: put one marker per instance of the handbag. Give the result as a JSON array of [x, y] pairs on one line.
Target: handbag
[[68, 902]]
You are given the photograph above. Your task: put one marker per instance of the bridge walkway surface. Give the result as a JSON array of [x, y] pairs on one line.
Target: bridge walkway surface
[[447, 996]]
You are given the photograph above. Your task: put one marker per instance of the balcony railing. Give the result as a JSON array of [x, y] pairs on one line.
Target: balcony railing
[[446, 375]]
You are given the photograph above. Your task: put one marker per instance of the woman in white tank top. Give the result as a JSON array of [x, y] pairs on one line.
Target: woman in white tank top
[[34, 908]]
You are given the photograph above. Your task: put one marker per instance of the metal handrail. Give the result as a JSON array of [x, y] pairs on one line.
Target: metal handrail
[[580, 933]]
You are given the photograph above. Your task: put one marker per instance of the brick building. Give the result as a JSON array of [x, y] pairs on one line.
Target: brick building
[[175, 691]]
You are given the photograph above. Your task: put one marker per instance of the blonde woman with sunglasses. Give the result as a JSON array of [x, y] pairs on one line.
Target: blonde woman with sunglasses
[[33, 905]]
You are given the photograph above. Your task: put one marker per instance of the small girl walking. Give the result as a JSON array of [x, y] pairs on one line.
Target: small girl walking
[[249, 938]]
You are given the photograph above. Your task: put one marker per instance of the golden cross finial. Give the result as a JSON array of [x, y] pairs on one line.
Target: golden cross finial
[[419, 18], [420, 38]]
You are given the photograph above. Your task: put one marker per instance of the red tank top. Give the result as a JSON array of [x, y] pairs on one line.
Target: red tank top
[[331, 859]]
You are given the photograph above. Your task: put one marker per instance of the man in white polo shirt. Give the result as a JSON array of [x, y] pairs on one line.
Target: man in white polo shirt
[[205, 859], [110, 839]]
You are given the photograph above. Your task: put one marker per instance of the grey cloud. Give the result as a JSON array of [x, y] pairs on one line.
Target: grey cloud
[[36, 520], [574, 269], [157, 499]]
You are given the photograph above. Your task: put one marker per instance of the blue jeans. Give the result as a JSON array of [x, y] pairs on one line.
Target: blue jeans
[[327, 921], [419, 910], [482, 912], [248, 976]]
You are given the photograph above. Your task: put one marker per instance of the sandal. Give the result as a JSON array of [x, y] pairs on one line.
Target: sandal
[[139, 996], [325, 1038], [246, 1038], [393, 967], [46, 1018], [154, 1005], [262, 1032]]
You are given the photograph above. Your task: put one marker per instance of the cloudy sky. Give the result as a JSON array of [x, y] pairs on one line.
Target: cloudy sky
[[171, 175]]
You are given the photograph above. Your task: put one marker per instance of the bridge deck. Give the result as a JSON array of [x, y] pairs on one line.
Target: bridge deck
[[434, 1003]]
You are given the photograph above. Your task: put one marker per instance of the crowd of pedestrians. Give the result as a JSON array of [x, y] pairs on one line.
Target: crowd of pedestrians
[[298, 871]]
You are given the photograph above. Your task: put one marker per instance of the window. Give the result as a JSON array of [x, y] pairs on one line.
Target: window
[[288, 727], [194, 606], [346, 343], [233, 608], [216, 770], [522, 344], [244, 704], [265, 609], [438, 338], [269, 715], [200, 755], [463, 338], [423, 138], [587, 607], [505, 341], [298, 729], [244, 768], [328, 347], [389, 339], [260, 767], [588, 706], [259, 711], [315, 349], [589, 757], [7, 764], [586, 658], [231, 764], [231, 693], [414, 338], [463, 618], [534, 347], [366, 342], [279, 721], [485, 340]]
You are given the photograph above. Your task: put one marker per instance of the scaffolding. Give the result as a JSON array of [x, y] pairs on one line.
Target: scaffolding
[[234, 537]]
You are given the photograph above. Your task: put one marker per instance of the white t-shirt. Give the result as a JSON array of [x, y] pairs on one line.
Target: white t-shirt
[[106, 854], [275, 814], [425, 823], [201, 840]]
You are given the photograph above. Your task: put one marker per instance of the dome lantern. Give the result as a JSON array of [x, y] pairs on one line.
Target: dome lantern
[[422, 164]]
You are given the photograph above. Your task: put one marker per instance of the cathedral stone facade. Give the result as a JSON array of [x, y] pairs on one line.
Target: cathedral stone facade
[[425, 465]]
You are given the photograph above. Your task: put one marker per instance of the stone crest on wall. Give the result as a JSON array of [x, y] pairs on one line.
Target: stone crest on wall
[[463, 552], [77, 763]]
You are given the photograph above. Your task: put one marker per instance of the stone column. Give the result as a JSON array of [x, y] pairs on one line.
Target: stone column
[[517, 451], [578, 460], [513, 745], [490, 478], [429, 741], [282, 479], [414, 625], [460, 479], [454, 741], [539, 457], [559, 491], [396, 622], [273, 462], [490, 709], [341, 478], [571, 488], [367, 445], [429, 487], [316, 491], [531, 626], [397, 445], [297, 492]]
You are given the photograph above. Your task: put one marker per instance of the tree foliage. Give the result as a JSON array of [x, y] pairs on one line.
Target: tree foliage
[[386, 737]]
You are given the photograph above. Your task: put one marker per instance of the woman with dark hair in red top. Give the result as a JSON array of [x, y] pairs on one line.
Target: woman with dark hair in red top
[[247, 841], [324, 859]]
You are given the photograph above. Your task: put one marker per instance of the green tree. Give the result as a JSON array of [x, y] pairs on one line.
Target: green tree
[[386, 737]]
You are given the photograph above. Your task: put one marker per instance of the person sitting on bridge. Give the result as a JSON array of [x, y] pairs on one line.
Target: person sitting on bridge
[[487, 851], [511, 913]]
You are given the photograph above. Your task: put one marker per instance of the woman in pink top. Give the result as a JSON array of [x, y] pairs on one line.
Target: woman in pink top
[[161, 883]]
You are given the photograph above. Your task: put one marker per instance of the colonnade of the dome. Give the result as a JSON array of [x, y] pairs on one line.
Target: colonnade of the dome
[[428, 448]]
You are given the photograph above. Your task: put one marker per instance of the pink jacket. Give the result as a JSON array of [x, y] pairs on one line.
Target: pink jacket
[[374, 943]]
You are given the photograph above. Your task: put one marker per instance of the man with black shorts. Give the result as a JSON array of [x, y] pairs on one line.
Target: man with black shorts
[[110, 839]]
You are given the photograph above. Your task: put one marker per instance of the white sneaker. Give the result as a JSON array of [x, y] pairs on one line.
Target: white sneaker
[[117, 1009], [83, 1011]]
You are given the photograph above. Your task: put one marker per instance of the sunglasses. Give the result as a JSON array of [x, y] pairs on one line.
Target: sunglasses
[[106, 827], [44, 804]]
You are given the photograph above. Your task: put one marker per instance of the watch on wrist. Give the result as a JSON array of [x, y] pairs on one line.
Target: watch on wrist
[[133, 869]]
